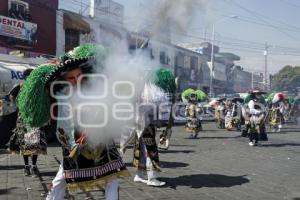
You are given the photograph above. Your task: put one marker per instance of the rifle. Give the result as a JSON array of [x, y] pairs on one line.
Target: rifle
[[166, 134]]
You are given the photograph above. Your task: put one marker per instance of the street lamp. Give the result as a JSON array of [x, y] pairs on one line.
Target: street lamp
[[211, 93]]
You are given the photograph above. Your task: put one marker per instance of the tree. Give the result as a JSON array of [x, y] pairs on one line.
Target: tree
[[287, 79]]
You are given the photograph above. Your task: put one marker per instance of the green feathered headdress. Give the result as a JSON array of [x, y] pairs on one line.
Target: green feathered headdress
[[33, 100], [162, 78], [270, 97], [83, 56], [201, 96], [291, 100], [250, 97]]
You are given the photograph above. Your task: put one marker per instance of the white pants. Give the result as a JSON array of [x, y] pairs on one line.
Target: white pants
[[59, 184], [149, 175]]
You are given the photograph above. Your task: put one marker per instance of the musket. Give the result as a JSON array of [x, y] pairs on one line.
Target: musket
[[75, 151], [266, 117], [166, 134], [128, 140]]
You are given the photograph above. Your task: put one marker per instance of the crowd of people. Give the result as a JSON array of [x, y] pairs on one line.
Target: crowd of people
[[87, 166], [252, 114]]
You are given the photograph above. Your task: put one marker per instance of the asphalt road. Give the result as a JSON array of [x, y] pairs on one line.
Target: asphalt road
[[217, 165]]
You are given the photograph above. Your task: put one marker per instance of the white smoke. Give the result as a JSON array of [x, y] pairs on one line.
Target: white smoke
[[161, 18], [126, 70], [120, 84]]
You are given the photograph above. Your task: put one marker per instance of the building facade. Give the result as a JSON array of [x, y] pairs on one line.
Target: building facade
[[24, 29], [103, 24]]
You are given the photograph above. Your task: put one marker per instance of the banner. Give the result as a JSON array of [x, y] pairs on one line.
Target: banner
[[17, 28]]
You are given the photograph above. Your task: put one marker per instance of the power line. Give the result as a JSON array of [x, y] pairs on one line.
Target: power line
[[107, 11], [279, 23], [253, 44], [261, 19], [290, 3], [243, 47]]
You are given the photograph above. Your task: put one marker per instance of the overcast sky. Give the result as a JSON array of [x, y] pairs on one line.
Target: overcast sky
[[275, 22]]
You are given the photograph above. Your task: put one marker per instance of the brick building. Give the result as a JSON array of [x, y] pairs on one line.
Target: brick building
[[28, 26]]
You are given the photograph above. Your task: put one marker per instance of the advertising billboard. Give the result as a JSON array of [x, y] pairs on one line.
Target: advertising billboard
[[11, 27]]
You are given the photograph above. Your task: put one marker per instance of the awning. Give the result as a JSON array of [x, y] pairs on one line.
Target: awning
[[74, 21]]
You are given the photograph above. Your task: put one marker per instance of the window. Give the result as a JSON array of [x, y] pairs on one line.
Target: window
[[194, 76], [151, 54], [19, 10], [194, 62], [71, 39], [179, 60], [163, 57]]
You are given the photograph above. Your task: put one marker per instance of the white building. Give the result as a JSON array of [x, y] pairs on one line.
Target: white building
[[189, 67], [103, 24]]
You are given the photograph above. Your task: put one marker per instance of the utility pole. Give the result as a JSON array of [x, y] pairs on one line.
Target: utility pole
[[204, 34], [211, 88], [266, 66], [252, 81]]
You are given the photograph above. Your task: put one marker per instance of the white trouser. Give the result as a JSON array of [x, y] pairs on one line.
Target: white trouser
[[59, 184], [150, 173], [145, 160], [112, 190], [149, 176]]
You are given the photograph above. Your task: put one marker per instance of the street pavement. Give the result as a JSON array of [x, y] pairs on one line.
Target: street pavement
[[218, 165]]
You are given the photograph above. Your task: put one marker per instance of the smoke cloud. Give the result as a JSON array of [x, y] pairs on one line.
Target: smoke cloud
[[114, 91], [106, 104]]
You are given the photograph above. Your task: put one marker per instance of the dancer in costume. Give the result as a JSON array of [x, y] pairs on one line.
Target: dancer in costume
[[275, 117], [294, 113], [276, 111], [233, 114], [257, 117], [26, 140], [229, 114], [146, 159], [84, 166], [285, 110], [193, 99], [192, 113], [220, 113]]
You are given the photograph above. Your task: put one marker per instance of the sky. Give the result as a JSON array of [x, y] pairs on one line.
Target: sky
[[257, 23]]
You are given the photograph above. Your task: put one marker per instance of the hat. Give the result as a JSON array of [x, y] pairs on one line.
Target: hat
[[256, 91], [83, 57], [33, 100], [162, 78], [27, 72]]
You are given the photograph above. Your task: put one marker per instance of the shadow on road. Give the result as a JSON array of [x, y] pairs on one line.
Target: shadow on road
[[217, 137], [284, 131], [181, 145], [281, 145], [205, 180], [11, 167], [3, 151], [53, 173], [6, 191], [165, 164], [177, 151]]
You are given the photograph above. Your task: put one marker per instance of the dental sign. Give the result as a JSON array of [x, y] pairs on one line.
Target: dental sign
[[17, 28]]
